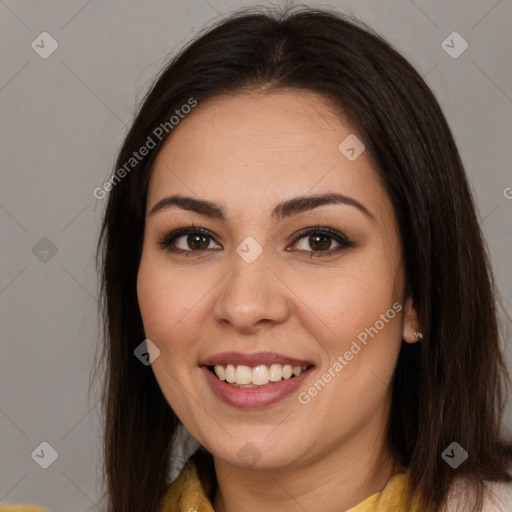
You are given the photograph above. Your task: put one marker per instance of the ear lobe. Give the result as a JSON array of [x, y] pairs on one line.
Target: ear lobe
[[411, 326]]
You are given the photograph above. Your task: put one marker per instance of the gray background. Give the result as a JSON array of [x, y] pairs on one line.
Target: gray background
[[62, 121]]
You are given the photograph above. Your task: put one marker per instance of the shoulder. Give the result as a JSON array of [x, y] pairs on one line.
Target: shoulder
[[497, 497], [21, 508]]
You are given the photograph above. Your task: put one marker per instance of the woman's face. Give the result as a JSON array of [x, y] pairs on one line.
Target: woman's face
[[274, 280]]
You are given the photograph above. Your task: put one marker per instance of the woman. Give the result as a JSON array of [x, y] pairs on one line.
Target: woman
[[294, 274]]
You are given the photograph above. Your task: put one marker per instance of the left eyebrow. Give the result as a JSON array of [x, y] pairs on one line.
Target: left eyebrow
[[285, 209], [304, 203]]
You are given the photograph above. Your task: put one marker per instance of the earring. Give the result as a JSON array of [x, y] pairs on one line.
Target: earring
[[418, 335]]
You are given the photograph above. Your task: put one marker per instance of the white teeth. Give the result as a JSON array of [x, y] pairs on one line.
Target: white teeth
[[275, 372], [261, 375], [243, 375], [230, 374], [219, 371]]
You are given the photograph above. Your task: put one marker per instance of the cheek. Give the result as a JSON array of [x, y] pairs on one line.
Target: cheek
[[351, 298], [175, 306], [163, 300], [361, 338], [360, 312]]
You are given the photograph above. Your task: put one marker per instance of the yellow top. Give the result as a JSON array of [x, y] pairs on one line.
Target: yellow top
[[188, 494]]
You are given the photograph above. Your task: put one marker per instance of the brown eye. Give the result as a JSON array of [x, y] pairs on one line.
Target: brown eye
[[197, 242], [188, 240], [318, 241]]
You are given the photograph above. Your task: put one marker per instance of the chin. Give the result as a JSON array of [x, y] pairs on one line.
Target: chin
[[258, 456]]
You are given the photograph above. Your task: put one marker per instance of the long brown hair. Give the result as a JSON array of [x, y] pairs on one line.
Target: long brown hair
[[448, 387]]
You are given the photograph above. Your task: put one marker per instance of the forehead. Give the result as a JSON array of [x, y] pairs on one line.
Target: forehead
[[257, 144]]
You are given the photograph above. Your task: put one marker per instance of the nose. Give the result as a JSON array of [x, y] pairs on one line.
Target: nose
[[251, 297]]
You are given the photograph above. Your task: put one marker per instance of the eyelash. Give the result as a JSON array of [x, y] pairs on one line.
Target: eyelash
[[339, 237]]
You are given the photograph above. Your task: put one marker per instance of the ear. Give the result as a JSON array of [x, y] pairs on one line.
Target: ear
[[410, 322]]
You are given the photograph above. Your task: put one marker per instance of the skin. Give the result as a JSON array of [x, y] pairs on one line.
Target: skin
[[249, 152]]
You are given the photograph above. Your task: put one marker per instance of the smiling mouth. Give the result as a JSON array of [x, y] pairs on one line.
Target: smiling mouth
[[242, 376]]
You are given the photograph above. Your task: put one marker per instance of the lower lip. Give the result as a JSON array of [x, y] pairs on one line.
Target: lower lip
[[253, 397]]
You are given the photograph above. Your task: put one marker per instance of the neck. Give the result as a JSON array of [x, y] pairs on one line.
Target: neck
[[337, 480]]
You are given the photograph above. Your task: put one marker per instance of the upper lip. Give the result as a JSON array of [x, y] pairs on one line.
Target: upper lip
[[254, 359]]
